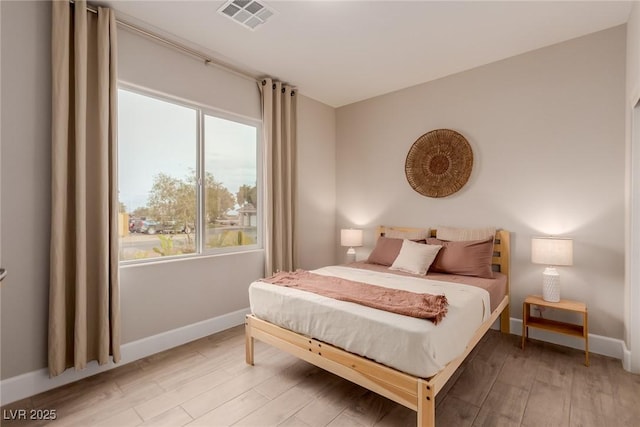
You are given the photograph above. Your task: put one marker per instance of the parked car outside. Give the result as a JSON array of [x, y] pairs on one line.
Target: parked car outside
[[135, 224], [150, 226]]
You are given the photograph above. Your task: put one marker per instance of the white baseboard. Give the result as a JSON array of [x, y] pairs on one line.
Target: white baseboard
[[598, 344], [32, 383]]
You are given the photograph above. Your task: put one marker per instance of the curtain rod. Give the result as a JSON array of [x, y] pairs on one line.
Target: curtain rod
[[207, 60]]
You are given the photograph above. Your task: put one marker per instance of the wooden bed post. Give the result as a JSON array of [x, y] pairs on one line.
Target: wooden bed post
[[505, 266], [248, 347], [426, 404], [505, 321]]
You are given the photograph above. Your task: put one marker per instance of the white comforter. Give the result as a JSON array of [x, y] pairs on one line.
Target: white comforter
[[415, 346]]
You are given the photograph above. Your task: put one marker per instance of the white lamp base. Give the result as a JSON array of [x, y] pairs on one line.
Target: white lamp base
[[351, 255], [551, 285]]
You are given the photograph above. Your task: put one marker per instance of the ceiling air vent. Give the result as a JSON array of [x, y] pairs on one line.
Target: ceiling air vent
[[250, 13]]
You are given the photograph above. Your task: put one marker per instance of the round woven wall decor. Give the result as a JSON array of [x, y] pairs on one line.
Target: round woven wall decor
[[439, 163]]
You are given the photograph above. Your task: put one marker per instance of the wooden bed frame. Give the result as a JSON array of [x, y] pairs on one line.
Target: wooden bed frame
[[413, 392]]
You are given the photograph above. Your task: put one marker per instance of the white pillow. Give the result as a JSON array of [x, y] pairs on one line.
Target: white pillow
[[415, 257]]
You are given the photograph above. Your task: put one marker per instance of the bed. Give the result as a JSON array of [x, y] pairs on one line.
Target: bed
[[412, 381]]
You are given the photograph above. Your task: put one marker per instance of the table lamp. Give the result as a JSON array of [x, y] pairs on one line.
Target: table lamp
[[351, 238], [552, 252]]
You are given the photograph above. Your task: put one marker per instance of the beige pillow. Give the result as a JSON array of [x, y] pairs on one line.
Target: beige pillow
[[415, 257], [454, 234], [392, 233]]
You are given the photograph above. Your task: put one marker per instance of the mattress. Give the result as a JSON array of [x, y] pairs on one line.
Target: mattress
[[411, 345]]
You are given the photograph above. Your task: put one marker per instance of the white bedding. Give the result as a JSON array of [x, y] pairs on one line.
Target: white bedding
[[415, 346]]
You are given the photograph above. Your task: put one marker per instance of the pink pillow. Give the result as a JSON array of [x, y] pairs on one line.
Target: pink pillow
[[386, 251], [466, 258]]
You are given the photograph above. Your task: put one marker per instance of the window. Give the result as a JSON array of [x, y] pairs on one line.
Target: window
[[230, 152], [188, 179]]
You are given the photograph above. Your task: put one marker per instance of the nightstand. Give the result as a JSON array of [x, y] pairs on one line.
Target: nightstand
[[529, 321]]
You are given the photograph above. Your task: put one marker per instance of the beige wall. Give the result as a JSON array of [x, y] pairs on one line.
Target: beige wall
[[155, 66], [163, 296], [632, 294], [25, 170], [547, 132], [633, 52], [316, 196]]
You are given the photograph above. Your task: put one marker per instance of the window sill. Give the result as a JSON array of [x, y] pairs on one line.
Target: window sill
[[165, 260]]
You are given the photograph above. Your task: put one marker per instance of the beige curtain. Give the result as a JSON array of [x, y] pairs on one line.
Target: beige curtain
[[84, 308], [279, 137]]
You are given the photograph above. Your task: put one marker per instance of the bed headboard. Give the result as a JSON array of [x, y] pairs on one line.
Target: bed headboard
[[501, 246]]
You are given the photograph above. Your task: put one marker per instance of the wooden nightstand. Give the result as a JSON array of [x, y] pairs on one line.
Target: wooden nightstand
[[529, 321]]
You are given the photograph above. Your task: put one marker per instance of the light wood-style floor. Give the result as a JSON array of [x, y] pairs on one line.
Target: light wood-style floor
[[207, 383]]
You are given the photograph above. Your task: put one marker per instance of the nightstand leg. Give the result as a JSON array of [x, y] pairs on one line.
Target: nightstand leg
[[524, 322], [586, 339]]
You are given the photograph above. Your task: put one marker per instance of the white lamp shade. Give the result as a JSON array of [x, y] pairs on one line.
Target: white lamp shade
[[351, 237], [551, 251]]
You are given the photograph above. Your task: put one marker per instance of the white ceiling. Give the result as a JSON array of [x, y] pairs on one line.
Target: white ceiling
[[340, 52]]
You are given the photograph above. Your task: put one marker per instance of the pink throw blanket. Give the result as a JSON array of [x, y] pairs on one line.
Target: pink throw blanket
[[423, 306]]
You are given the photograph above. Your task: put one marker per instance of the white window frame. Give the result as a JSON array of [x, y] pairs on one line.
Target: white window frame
[[202, 111]]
